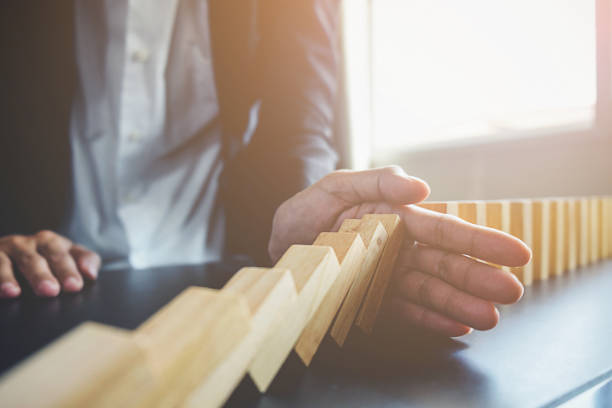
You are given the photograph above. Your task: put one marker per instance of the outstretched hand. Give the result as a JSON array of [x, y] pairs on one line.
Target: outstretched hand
[[435, 285]]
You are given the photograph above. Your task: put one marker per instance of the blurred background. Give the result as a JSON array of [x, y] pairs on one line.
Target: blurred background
[[483, 99]]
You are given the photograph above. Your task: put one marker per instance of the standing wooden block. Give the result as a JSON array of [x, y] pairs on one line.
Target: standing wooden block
[[571, 246], [481, 213], [557, 237], [269, 294], [498, 215], [314, 270], [452, 208], [436, 206], [467, 211], [594, 228], [373, 300], [521, 227], [350, 251], [606, 224], [91, 366], [541, 239], [374, 236], [582, 223], [188, 338]]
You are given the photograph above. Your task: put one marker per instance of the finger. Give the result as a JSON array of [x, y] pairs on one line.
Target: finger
[[437, 295], [387, 184], [466, 274], [9, 288], [453, 234], [33, 266], [87, 262], [55, 249], [419, 316]]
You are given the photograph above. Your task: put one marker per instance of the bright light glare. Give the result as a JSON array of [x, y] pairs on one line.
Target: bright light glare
[[445, 69]]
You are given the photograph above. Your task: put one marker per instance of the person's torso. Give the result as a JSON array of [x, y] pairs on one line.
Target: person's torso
[[145, 134]]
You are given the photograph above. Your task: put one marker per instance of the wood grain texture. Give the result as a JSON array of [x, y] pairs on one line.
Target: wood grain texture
[[314, 269], [350, 251], [91, 366], [374, 297], [190, 336], [269, 294], [374, 236]]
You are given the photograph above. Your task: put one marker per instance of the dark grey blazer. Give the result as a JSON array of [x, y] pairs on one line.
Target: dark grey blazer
[[274, 59]]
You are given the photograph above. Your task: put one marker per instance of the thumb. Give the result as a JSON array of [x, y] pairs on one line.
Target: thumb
[[385, 184]]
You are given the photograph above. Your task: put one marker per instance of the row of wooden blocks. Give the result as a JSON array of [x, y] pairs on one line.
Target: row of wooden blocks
[[563, 233], [196, 349]]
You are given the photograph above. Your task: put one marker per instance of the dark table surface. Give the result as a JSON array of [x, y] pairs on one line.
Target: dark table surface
[[555, 344]]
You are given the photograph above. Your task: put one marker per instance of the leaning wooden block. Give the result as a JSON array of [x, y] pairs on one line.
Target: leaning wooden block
[[314, 270], [521, 227], [350, 251], [541, 239], [382, 276], [269, 294], [190, 337], [374, 236], [91, 366]]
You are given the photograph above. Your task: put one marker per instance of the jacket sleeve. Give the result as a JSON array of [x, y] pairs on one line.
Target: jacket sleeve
[[291, 146]]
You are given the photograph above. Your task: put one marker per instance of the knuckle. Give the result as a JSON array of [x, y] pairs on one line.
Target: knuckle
[[45, 235], [444, 266], [424, 291]]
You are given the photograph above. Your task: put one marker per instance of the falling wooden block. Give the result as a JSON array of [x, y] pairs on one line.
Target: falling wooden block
[[314, 269], [374, 236], [571, 245], [557, 237], [188, 338], [582, 224], [269, 294], [350, 251], [521, 227], [91, 366], [541, 239], [373, 300], [594, 228]]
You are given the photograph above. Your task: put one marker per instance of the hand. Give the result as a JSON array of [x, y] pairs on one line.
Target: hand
[[435, 286], [47, 260]]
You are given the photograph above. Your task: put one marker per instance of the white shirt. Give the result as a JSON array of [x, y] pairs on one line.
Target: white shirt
[[144, 133]]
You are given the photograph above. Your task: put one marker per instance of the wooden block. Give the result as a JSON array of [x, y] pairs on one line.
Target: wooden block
[[594, 227], [374, 236], [481, 213], [571, 245], [606, 223], [521, 227], [188, 338], [269, 294], [91, 366], [314, 269], [437, 206], [467, 211], [541, 239], [452, 208], [582, 224], [350, 251], [373, 300], [498, 215], [557, 237]]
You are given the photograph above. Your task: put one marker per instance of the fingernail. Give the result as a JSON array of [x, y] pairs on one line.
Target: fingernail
[[47, 288], [91, 267], [72, 284], [10, 289]]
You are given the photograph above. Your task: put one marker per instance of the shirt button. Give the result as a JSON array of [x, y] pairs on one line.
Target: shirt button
[[134, 137], [141, 55]]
